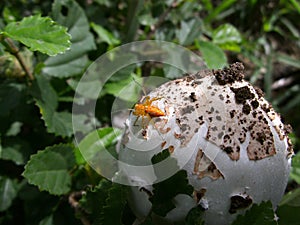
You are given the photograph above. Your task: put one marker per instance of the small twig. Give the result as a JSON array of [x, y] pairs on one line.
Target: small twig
[[161, 19], [73, 200], [14, 50]]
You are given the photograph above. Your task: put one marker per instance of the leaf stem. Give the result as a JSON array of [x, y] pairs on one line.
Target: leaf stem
[[14, 50]]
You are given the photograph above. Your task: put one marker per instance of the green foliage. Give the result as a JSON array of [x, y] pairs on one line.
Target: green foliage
[[257, 214], [166, 190], [195, 216], [39, 34], [50, 169], [46, 98], [74, 61], [295, 173], [111, 200], [212, 54], [8, 190], [45, 47]]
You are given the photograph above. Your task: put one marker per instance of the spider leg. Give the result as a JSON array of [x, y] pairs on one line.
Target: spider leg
[[134, 124]]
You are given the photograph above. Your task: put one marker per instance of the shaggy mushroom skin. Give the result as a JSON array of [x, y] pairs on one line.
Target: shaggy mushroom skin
[[222, 131]]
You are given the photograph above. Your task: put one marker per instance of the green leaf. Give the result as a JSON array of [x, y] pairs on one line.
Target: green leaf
[[126, 89], [257, 215], [288, 215], [292, 198], [147, 19], [59, 123], [227, 37], [195, 216], [95, 150], [8, 192], [105, 35], [165, 191], [214, 57], [16, 150], [105, 202], [94, 200], [295, 171], [189, 31], [39, 34], [73, 62], [113, 210], [49, 169]]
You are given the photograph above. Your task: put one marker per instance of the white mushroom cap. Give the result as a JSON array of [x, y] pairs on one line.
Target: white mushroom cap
[[222, 131]]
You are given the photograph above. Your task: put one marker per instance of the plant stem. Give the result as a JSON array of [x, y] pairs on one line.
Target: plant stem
[[14, 50]]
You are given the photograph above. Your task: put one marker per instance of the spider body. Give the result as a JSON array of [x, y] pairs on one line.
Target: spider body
[[146, 109]]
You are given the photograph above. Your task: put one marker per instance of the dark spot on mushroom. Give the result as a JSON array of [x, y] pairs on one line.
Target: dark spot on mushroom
[[211, 167], [144, 132], [246, 109], [171, 148], [220, 135], [163, 144], [239, 202], [261, 137], [259, 92], [242, 94], [187, 110], [254, 113], [227, 149], [254, 104], [229, 74], [215, 128], [199, 194], [221, 97], [219, 118], [232, 113], [177, 135]]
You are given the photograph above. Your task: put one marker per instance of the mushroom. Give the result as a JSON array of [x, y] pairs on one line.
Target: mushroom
[[222, 132]]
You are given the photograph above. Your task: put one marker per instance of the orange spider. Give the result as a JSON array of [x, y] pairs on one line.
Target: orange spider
[[145, 109]]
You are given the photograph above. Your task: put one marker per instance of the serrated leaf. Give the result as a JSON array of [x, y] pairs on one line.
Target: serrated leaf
[[165, 191], [8, 192], [73, 62], [213, 56], [39, 34], [115, 203], [104, 35], [94, 200], [295, 171], [49, 169], [227, 37], [257, 215]]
